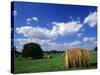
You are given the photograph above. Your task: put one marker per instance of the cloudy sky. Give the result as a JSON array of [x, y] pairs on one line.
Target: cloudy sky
[[54, 26]]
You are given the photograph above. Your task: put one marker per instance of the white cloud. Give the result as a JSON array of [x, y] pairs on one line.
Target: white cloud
[[51, 45], [91, 19], [67, 28], [44, 33], [46, 44], [64, 46], [37, 32], [35, 18], [23, 41], [76, 42], [89, 39], [28, 19], [25, 30], [89, 42]]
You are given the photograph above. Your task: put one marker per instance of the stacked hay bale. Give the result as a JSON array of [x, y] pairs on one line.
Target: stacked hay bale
[[76, 57]]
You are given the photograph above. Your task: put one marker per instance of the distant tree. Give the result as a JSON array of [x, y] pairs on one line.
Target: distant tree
[[54, 51], [32, 50]]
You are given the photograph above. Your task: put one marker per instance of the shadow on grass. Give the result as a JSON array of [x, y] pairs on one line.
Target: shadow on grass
[[93, 65]]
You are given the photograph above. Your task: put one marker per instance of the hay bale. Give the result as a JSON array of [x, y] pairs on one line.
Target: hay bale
[[76, 57], [66, 59]]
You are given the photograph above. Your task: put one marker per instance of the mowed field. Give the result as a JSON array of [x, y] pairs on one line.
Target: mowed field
[[56, 63]]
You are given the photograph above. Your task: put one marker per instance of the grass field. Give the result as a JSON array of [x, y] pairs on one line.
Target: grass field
[[56, 63]]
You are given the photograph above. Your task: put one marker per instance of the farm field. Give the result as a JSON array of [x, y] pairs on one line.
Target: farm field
[[56, 63]]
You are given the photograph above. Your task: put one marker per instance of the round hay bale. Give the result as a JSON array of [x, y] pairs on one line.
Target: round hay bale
[[76, 57]]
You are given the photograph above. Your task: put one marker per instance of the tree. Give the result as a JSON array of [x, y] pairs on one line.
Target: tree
[[32, 50], [54, 51]]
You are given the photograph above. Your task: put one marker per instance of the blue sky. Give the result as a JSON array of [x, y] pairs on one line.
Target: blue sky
[[55, 26]]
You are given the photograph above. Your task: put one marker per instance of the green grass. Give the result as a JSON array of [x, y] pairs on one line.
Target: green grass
[[45, 65], [93, 57]]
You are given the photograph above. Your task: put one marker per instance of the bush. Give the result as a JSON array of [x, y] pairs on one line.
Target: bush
[[32, 50]]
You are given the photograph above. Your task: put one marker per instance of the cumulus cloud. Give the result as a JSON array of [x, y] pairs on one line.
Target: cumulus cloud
[[76, 42], [46, 44], [23, 41], [35, 18], [37, 32], [67, 28], [73, 44], [89, 42], [64, 46], [29, 20], [91, 19], [44, 33], [89, 39]]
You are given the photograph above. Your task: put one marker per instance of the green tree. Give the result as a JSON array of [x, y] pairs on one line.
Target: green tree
[[32, 50]]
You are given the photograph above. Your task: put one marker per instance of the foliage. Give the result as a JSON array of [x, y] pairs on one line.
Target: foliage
[[32, 50], [53, 51]]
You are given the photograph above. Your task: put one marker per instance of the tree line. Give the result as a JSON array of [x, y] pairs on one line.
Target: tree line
[[34, 50]]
